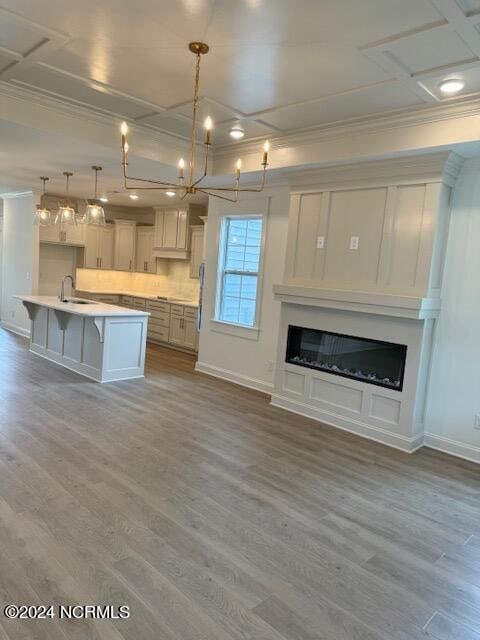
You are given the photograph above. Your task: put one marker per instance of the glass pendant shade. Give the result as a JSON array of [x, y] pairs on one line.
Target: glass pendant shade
[[94, 214], [42, 216], [66, 216]]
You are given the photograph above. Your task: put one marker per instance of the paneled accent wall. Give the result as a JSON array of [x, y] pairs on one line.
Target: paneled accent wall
[[399, 228], [365, 255]]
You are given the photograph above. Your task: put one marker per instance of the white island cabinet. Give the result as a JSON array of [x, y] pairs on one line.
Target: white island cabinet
[[100, 341]]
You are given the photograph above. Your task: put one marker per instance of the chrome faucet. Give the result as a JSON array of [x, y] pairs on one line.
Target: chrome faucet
[[62, 288]]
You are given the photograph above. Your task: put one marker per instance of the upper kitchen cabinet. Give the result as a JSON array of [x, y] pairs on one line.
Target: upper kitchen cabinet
[[74, 236], [124, 245], [99, 247], [171, 233], [196, 250], [145, 261]]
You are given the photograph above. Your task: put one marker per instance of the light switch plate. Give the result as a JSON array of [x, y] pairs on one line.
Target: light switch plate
[[321, 242], [354, 242]]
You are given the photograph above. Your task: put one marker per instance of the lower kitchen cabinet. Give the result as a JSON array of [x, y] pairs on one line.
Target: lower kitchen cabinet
[[183, 332], [169, 323]]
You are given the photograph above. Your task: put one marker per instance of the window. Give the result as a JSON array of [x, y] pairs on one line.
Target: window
[[238, 269]]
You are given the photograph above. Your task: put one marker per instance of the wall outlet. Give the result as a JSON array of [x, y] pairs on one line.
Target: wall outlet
[[321, 242], [476, 421], [354, 242]]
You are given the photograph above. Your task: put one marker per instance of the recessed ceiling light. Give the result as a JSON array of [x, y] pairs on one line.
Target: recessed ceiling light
[[452, 85], [103, 199], [133, 196], [170, 194], [237, 132]]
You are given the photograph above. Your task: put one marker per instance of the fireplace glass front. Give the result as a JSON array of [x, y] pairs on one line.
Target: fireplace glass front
[[371, 361]]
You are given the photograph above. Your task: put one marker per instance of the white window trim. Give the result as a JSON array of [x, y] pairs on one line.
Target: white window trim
[[231, 328]]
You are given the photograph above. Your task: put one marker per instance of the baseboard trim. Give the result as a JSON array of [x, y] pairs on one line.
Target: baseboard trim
[[453, 447], [20, 331], [407, 445], [236, 378]]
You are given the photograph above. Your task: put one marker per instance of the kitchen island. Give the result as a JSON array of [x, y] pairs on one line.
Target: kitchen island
[[101, 341]]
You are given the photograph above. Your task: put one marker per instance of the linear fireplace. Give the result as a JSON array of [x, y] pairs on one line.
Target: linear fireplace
[[371, 361]]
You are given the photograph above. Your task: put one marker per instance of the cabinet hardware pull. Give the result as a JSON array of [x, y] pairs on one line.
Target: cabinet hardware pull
[[100, 263]]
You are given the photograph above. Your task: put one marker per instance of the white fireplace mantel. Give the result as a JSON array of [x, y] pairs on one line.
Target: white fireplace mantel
[[365, 253], [386, 304]]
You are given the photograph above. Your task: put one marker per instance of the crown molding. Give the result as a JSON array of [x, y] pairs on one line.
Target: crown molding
[[16, 194], [432, 167], [76, 110], [372, 124]]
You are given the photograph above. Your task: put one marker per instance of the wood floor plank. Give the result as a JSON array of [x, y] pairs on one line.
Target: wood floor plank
[[218, 517], [442, 628]]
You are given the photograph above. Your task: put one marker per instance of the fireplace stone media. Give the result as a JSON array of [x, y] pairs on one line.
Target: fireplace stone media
[[371, 361]]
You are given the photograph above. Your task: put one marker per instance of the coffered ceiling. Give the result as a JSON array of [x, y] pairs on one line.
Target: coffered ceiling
[[277, 66]]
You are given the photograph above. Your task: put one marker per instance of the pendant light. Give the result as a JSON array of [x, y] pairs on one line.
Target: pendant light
[[66, 216], [94, 212], [42, 215]]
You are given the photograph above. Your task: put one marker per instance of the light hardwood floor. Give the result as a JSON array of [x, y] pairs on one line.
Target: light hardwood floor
[[217, 517]]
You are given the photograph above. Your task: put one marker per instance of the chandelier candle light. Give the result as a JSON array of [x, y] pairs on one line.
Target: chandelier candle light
[[42, 215], [94, 212], [66, 213], [191, 185]]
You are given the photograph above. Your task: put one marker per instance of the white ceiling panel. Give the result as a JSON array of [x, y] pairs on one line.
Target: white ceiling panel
[[469, 7], [380, 99], [70, 89], [273, 63], [17, 35], [288, 22], [263, 76], [431, 50], [6, 61], [170, 123], [218, 112]]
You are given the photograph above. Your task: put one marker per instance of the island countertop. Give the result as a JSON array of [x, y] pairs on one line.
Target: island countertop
[[90, 309]]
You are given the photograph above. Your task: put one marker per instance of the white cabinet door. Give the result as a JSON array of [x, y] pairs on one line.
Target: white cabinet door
[[170, 229], [76, 235], [190, 333], [49, 234], [159, 220], [177, 332], [91, 247], [99, 247], [182, 219], [72, 236], [145, 262], [124, 253], [105, 248], [196, 250]]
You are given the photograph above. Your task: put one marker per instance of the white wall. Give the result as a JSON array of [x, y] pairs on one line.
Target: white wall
[[56, 261], [1, 253], [244, 360], [454, 390], [19, 260]]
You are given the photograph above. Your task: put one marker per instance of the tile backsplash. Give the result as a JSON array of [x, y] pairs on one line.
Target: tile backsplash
[[172, 279]]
